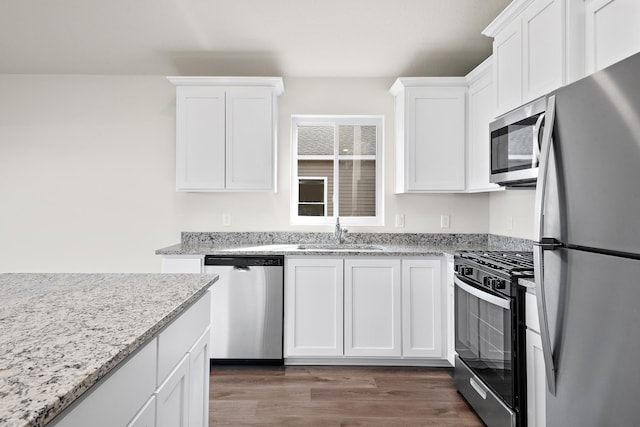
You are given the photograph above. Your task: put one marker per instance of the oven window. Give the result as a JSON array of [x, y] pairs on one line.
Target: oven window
[[512, 146], [483, 341]]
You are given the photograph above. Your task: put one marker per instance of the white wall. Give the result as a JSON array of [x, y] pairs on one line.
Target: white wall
[[87, 173], [511, 213]]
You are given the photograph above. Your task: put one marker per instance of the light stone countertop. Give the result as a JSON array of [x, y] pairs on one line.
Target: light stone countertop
[[61, 333]]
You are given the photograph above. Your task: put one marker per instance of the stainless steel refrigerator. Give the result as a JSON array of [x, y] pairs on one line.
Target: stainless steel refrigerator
[[587, 249]]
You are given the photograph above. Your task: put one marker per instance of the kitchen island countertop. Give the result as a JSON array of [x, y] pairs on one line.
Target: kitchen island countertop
[[61, 333]]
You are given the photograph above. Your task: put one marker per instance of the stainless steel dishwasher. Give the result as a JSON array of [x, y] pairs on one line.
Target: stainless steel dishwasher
[[246, 308]]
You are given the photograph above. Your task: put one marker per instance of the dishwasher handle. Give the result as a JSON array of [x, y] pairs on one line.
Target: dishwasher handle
[[245, 260]]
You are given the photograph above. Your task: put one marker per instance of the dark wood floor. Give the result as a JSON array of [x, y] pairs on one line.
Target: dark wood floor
[[336, 396]]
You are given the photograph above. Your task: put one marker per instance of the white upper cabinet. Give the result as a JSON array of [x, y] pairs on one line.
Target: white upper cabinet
[[226, 131], [529, 51], [611, 32], [430, 134], [481, 112]]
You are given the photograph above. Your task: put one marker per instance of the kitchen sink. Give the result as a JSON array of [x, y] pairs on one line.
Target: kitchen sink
[[338, 247]]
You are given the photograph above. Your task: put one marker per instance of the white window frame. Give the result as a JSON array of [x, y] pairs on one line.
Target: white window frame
[[336, 120]]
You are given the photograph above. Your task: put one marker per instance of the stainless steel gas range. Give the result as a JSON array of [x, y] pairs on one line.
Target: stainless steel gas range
[[490, 334]]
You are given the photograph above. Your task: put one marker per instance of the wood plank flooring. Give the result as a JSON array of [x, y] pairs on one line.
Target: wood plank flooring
[[336, 396]]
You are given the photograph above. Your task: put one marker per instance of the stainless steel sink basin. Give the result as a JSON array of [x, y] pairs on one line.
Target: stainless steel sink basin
[[338, 247]]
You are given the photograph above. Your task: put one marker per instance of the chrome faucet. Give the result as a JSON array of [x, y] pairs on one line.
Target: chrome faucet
[[340, 232]]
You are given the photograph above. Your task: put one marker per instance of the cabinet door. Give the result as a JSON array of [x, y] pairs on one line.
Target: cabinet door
[[421, 308], [372, 308], [173, 396], [313, 307], [536, 382], [250, 139], [200, 138], [543, 48], [507, 53], [451, 316], [481, 111], [199, 381], [181, 264], [612, 33], [435, 138]]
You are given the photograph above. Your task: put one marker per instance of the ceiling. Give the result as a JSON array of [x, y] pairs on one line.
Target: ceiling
[[292, 38]]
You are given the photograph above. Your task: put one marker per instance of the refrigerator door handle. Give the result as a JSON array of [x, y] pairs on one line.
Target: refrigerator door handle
[[535, 161], [539, 248]]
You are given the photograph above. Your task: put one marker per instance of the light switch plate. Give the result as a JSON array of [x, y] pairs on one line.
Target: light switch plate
[[444, 221], [399, 221]]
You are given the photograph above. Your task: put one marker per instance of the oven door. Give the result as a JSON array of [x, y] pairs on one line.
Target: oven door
[[484, 337]]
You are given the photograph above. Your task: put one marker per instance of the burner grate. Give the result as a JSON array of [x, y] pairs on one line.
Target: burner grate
[[508, 262]]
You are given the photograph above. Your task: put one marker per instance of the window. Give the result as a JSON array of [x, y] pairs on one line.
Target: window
[[337, 169]]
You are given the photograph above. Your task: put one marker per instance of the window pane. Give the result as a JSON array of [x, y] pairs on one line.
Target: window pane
[[357, 187], [311, 190], [310, 210], [315, 140], [357, 140]]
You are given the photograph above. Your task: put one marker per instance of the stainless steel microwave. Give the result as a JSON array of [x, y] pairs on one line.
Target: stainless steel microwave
[[515, 145]]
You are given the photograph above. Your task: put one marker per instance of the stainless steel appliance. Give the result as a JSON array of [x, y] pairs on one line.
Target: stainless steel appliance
[[247, 308], [515, 145], [587, 249], [490, 334]]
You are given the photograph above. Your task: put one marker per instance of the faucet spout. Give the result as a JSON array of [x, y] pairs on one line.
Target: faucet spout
[[339, 232]]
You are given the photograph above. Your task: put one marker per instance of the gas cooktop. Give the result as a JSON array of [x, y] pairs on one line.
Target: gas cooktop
[[495, 270]]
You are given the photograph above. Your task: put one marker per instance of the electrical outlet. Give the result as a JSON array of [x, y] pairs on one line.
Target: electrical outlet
[[226, 220], [444, 221], [399, 221]]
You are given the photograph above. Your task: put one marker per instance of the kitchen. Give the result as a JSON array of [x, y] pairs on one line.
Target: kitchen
[[109, 174]]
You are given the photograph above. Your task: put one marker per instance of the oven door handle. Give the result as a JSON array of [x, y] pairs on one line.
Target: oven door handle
[[484, 296]]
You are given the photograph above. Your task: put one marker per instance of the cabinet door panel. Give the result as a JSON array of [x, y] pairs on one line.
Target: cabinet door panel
[[422, 313], [200, 138], [314, 299], [172, 397], [611, 32], [436, 138], [536, 382], [372, 308], [507, 48], [199, 381], [147, 415], [543, 43], [250, 138]]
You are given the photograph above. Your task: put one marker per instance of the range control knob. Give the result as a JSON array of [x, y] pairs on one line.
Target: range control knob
[[499, 284], [466, 271]]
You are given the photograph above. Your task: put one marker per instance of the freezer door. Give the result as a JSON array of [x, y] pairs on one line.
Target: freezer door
[[596, 150], [596, 347]]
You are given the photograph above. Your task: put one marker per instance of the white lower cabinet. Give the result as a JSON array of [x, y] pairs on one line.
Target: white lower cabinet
[[166, 383], [421, 308], [372, 307], [380, 308], [181, 264], [451, 316], [536, 379], [313, 306]]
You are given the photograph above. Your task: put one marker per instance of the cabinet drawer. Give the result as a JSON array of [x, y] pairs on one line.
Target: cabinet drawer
[[176, 340], [115, 399], [531, 312]]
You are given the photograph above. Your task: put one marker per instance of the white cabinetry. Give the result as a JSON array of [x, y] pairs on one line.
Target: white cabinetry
[[451, 316], [536, 379], [152, 387], [181, 264], [314, 306], [430, 134], [611, 32], [382, 309], [529, 51], [226, 133], [372, 307], [481, 112], [422, 308]]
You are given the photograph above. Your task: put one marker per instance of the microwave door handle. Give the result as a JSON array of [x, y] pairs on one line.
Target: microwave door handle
[[540, 247], [535, 159]]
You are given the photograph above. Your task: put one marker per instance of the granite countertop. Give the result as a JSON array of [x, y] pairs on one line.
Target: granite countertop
[[386, 244], [61, 333]]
